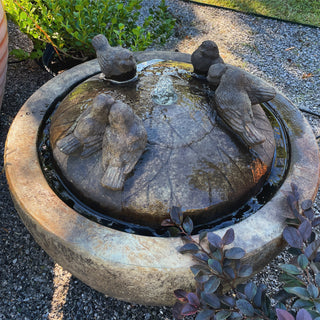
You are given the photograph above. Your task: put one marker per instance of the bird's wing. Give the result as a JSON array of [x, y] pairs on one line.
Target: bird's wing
[[114, 175], [135, 148], [258, 90], [131, 159], [105, 63], [111, 149], [91, 145], [70, 143], [234, 107]]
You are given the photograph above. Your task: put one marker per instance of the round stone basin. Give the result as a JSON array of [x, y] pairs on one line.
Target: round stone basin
[[132, 267], [190, 160]]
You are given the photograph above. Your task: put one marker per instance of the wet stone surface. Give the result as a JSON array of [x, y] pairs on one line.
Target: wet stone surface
[[191, 159]]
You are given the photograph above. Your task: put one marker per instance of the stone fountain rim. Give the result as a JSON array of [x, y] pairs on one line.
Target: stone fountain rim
[[117, 263]]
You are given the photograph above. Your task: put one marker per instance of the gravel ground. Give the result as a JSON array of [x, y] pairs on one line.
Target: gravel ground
[[32, 286]]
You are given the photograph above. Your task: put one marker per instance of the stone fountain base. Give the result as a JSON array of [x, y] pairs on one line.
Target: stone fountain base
[[130, 267]]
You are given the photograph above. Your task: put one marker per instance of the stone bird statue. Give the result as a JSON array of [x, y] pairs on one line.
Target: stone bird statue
[[236, 92], [206, 55], [123, 143], [86, 133], [116, 63]]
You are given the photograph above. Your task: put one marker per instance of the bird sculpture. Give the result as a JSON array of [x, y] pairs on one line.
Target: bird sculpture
[[86, 134], [123, 143], [237, 91], [116, 63], [206, 55]]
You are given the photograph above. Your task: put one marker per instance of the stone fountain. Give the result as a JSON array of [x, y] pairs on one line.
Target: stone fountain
[[95, 162]]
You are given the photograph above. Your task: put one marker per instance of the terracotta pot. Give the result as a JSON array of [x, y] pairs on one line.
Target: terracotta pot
[[3, 51]]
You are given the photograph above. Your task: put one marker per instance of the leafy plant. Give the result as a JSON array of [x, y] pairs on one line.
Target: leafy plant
[[219, 268], [302, 278], [216, 267], [69, 26]]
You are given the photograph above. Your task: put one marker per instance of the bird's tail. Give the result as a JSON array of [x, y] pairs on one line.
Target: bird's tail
[[69, 144], [113, 178]]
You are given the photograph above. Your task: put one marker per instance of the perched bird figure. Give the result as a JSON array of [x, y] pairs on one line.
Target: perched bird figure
[[116, 63], [206, 55], [237, 91], [123, 143], [86, 133]]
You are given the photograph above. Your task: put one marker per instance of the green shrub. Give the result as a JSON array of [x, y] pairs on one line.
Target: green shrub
[[70, 25]]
